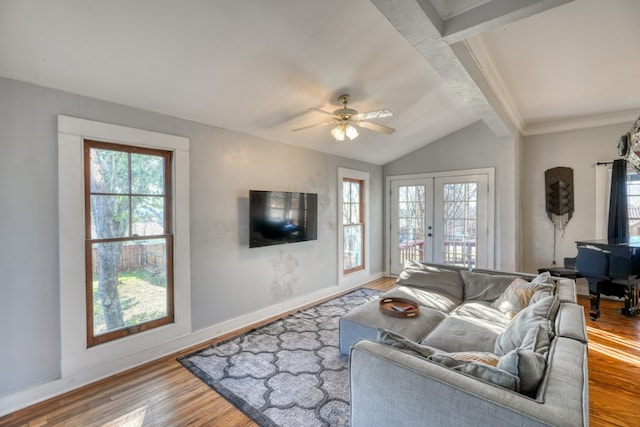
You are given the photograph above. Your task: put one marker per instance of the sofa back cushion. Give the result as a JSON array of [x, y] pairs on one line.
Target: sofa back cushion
[[431, 277], [483, 286]]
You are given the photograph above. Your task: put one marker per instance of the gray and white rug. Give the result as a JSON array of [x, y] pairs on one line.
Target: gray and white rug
[[287, 373]]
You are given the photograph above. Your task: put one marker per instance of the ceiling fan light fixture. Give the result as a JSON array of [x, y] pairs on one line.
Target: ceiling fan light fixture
[[351, 132], [338, 133], [344, 130]]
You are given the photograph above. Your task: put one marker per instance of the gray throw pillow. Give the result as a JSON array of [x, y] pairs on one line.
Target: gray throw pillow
[[431, 277], [484, 287], [528, 366], [481, 371], [398, 341], [518, 294], [537, 314]]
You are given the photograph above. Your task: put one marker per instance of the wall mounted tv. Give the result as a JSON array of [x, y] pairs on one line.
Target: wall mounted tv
[[278, 217]]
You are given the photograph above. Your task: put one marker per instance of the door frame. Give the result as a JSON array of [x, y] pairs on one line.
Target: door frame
[[490, 172]]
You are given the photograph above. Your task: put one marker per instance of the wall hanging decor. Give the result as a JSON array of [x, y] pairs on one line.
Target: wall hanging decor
[[559, 199]]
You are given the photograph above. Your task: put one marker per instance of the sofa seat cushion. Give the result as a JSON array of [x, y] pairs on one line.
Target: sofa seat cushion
[[363, 323], [431, 277], [457, 334], [426, 298], [483, 314]]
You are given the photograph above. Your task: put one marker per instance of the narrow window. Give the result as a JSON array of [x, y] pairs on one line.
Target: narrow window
[[353, 224], [633, 201], [129, 241]]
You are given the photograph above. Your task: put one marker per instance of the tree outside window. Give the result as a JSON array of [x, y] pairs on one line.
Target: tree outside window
[[129, 246]]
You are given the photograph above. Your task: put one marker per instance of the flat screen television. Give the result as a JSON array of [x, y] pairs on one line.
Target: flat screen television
[[279, 217]]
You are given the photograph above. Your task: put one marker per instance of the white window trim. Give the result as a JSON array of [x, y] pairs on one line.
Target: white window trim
[[359, 276], [87, 364]]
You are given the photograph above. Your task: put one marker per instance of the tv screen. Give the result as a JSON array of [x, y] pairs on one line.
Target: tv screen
[[278, 217]]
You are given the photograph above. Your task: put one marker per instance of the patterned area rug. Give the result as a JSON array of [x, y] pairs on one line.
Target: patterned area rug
[[287, 373]]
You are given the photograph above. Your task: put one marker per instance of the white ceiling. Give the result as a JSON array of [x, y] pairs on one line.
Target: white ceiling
[[256, 66]]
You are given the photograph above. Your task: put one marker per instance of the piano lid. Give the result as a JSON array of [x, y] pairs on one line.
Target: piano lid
[[633, 242]]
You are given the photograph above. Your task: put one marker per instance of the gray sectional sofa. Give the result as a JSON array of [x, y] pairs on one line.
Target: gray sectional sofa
[[488, 348]]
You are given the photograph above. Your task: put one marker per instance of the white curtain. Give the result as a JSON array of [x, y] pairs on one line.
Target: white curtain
[[602, 190]]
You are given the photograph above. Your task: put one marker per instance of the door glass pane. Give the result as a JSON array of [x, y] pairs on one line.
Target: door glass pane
[[411, 222], [460, 222]]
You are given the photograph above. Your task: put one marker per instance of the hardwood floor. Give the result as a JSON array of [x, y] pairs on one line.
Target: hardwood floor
[[163, 393]]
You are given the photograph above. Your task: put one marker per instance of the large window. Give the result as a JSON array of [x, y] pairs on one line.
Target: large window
[[129, 245], [353, 224]]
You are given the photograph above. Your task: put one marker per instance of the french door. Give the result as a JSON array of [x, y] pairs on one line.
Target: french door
[[441, 218]]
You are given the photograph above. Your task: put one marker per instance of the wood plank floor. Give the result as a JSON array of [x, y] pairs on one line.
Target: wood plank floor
[[163, 393]]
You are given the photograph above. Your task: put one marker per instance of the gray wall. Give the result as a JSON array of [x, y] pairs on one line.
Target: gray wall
[[475, 146], [579, 150], [224, 166]]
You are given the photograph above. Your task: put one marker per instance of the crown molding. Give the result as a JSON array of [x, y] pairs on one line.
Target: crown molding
[[584, 122], [484, 61]]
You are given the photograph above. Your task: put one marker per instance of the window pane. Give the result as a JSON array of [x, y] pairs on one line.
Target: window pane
[[460, 218], [355, 192], [352, 246], [345, 214], [109, 171], [148, 215], [355, 214], [109, 217], [147, 174], [346, 191], [129, 283]]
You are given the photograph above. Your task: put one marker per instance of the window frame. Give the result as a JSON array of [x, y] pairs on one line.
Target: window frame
[[360, 222], [78, 361], [357, 277], [167, 235]]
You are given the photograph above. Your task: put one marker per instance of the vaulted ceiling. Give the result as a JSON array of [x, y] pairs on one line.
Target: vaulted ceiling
[[257, 66]]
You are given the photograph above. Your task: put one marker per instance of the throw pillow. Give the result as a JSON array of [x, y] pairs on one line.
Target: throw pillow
[[481, 371], [537, 314], [528, 366], [483, 357], [431, 277], [517, 296], [484, 287], [398, 341], [490, 374]]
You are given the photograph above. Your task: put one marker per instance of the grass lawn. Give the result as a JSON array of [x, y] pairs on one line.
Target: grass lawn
[[143, 297]]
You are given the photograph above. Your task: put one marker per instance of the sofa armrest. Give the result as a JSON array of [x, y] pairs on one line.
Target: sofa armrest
[[566, 289], [570, 322], [390, 387]]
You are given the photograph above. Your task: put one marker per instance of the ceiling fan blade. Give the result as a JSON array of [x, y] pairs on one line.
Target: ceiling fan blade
[[376, 114], [311, 126], [376, 127], [321, 111]]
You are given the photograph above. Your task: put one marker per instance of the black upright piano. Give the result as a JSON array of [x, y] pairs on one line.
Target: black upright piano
[[611, 268]]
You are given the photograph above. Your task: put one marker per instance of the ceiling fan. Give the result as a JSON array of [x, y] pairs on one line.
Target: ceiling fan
[[346, 119]]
